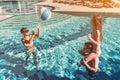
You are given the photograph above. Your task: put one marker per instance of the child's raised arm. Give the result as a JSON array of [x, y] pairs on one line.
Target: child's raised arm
[[38, 34]]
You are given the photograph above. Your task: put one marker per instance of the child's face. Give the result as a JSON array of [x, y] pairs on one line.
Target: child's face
[[25, 31]]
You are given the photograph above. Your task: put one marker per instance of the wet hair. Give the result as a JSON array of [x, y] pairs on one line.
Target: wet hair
[[23, 29], [95, 19], [89, 45]]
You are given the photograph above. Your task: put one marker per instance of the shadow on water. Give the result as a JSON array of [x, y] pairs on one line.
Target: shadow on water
[[49, 44], [43, 75], [104, 76], [10, 62], [79, 75], [31, 75]]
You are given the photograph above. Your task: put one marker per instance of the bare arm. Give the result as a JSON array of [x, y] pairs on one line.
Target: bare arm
[[89, 67], [27, 42], [98, 38], [24, 42], [35, 35], [38, 34], [90, 58], [32, 36]]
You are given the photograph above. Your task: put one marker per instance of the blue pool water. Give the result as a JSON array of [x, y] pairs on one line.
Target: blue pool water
[[61, 38], [8, 3], [13, 3], [17, 7]]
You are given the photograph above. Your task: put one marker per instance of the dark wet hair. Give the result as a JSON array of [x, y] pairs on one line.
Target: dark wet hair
[[89, 45], [23, 29]]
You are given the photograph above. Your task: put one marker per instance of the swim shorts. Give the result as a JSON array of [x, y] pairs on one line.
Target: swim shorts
[[29, 52]]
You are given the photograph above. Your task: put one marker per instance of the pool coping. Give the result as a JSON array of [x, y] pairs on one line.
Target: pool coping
[[80, 10]]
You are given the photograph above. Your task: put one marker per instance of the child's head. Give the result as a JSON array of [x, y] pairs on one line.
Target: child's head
[[24, 30], [97, 22], [88, 47]]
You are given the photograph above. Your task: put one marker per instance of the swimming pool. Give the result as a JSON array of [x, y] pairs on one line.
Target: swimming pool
[[61, 38], [15, 7]]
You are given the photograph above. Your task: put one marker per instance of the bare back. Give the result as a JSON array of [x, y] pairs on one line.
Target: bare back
[[96, 47]]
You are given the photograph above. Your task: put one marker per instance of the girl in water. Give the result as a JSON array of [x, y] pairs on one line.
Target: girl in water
[[96, 38]]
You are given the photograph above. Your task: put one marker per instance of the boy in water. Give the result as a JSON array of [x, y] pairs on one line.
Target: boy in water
[[91, 68], [27, 41]]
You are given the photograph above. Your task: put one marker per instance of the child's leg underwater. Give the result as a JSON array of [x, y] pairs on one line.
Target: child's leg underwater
[[26, 61], [35, 58]]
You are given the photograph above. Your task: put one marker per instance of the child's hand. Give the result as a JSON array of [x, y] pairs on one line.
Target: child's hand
[[89, 35], [38, 26], [33, 32]]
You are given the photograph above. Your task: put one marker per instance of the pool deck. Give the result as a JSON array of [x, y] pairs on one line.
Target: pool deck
[[4, 17], [80, 10]]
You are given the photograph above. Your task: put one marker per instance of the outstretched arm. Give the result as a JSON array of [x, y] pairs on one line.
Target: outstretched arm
[[32, 36], [38, 34]]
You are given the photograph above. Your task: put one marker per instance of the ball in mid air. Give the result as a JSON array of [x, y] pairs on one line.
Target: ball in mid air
[[44, 13]]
